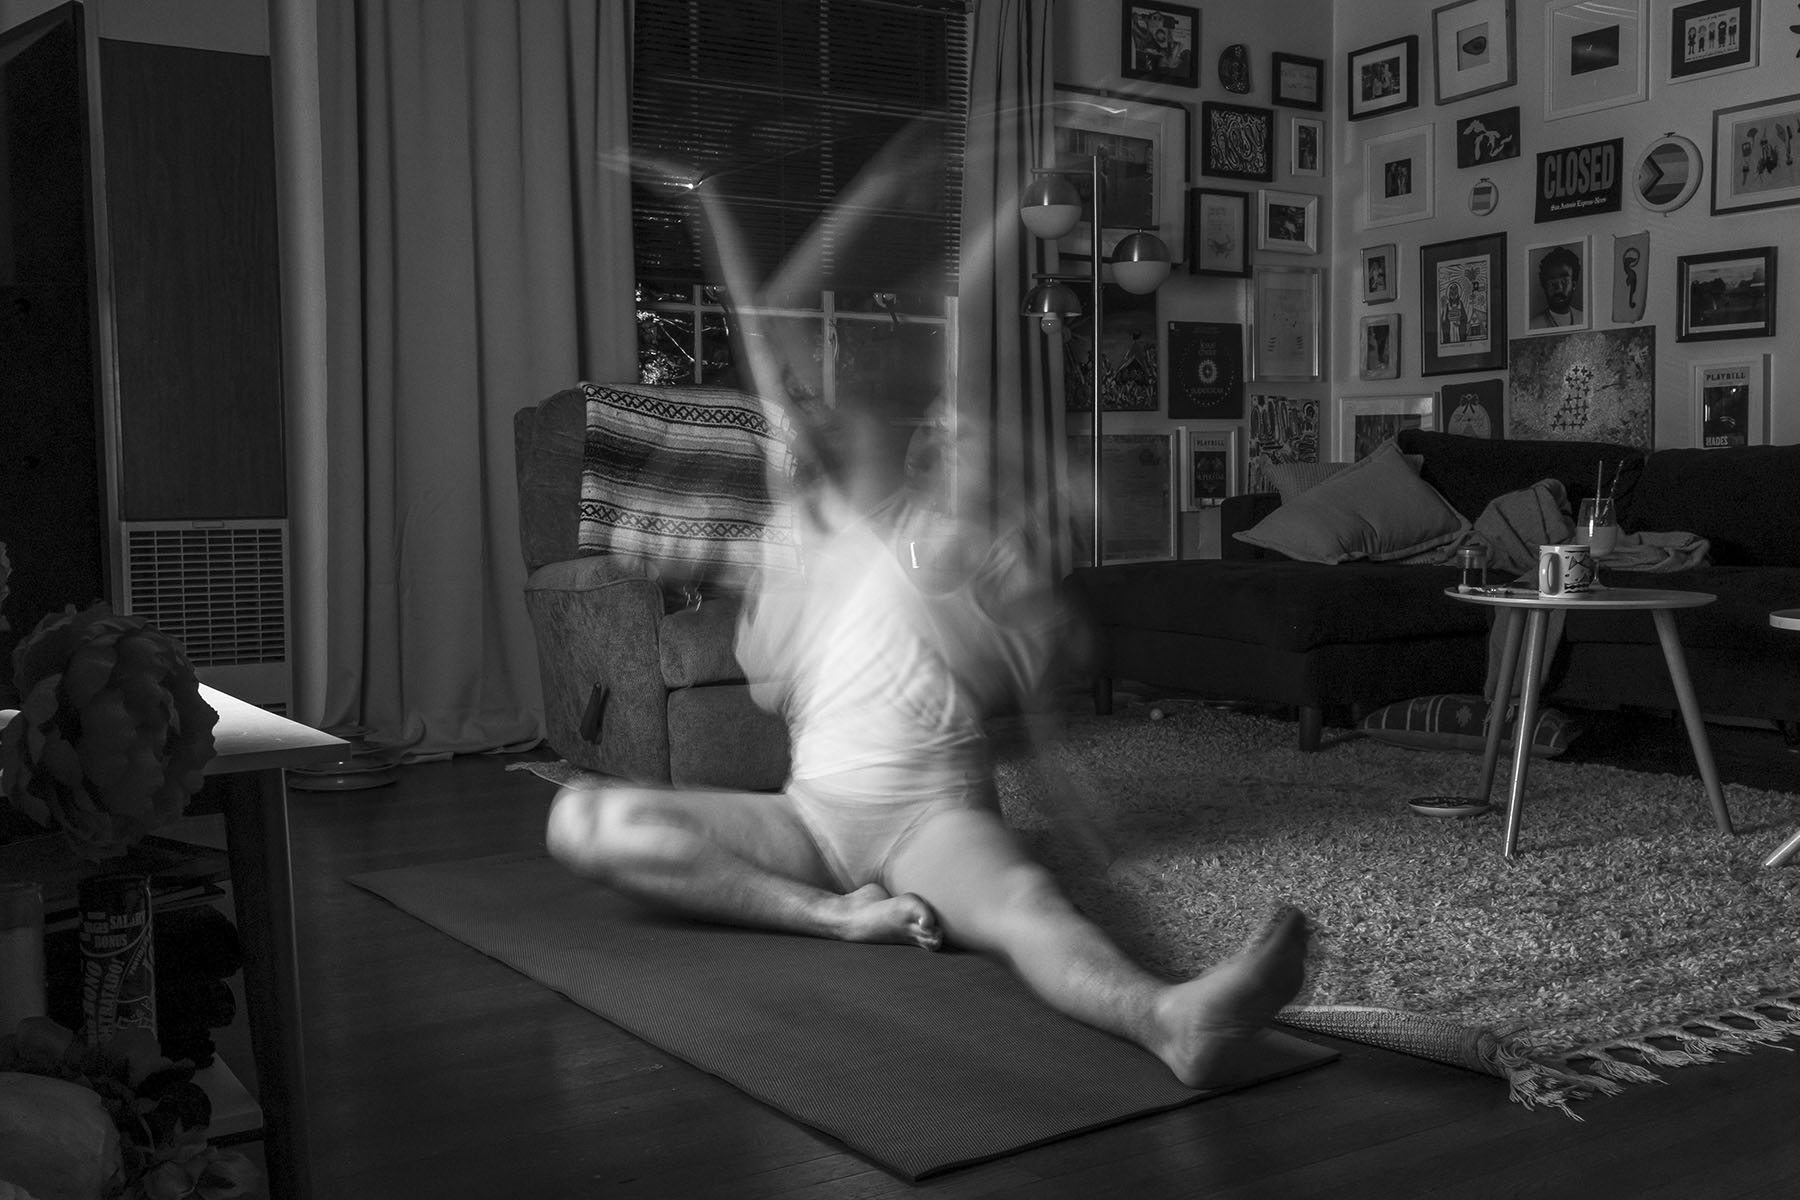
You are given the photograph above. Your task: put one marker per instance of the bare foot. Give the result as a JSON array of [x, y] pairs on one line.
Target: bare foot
[[1209, 1026], [872, 914]]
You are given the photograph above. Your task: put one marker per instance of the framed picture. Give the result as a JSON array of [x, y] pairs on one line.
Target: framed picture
[[1142, 144], [1473, 409], [1630, 276], [1753, 155], [1710, 37], [1127, 353], [1487, 138], [1297, 81], [1591, 386], [1580, 181], [1668, 173], [1282, 429], [1218, 232], [1206, 371], [1381, 273], [1398, 183], [1237, 141], [1728, 294], [1556, 286], [1138, 482], [1730, 402], [1160, 43], [1595, 56], [1384, 78], [1462, 305], [1473, 42], [1287, 221], [1284, 323], [1364, 422], [1212, 465], [1378, 347], [1306, 147]]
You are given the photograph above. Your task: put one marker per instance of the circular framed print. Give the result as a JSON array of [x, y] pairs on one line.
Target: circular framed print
[[1669, 173], [1484, 197]]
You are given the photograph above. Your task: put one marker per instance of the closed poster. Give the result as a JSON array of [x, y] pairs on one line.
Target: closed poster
[[1206, 371]]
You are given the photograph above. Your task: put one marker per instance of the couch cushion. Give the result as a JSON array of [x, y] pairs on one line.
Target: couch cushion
[[1375, 509], [1458, 721], [699, 645], [1745, 501], [1470, 472]]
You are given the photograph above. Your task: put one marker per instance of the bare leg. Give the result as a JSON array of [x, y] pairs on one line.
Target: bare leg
[[993, 897], [738, 858]]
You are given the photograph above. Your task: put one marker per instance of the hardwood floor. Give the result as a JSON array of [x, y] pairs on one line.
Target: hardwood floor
[[435, 1071]]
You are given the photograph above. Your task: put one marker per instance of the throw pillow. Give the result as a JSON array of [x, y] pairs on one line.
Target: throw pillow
[[1376, 509], [1293, 479], [1459, 722], [693, 479]]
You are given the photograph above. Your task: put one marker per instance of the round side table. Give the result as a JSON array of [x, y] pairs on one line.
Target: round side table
[[1784, 618]]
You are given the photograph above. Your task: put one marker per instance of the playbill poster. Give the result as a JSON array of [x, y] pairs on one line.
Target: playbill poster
[[1598, 386], [1724, 405]]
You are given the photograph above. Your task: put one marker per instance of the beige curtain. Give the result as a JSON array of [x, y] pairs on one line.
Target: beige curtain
[[473, 257]]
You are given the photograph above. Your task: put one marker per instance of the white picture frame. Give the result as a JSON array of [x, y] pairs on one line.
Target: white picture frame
[[1399, 177], [1538, 309], [1284, 323], [1287, 221], [1473, 43], [1595, 56], [1378, 346], [1364, 422], [1139, 482], [1146, 144], [1212, 465], [1306, 147], [1730, 400]]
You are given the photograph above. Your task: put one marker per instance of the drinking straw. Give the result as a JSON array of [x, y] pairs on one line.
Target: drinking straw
[[1599, 476]]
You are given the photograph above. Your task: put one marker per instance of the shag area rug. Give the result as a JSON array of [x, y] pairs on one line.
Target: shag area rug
[[1629, 935]]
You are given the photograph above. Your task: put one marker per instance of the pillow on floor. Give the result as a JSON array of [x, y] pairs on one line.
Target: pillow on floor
[[1459, 722], [1375, 509]]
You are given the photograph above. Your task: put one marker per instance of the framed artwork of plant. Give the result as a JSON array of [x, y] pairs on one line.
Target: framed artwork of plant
[[1218, 232]]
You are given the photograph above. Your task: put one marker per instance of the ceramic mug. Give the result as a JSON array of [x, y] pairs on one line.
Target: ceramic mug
[[1564, 570]]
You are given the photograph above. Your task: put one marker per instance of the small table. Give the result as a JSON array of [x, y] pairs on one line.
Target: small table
[[1785, 618], [1527, 613]]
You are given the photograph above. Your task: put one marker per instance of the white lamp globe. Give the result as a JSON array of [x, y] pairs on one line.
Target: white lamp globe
[[1140, 263], [1050, 206]]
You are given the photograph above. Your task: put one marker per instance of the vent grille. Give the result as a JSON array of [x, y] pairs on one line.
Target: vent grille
[[219, 590]]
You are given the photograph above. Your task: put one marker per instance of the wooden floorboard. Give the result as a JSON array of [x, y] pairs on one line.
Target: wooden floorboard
[[437, 1071]]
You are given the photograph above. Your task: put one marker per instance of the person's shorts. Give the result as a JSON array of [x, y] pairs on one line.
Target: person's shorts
[[859, 819]]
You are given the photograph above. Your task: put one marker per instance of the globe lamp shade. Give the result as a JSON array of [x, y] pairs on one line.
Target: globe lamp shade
[[1140, 263], [1050, 206]]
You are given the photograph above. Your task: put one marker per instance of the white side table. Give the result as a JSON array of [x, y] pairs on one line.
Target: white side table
[[1785, 618]]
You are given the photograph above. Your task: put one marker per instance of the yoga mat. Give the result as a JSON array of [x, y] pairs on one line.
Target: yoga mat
[[918, 1062]]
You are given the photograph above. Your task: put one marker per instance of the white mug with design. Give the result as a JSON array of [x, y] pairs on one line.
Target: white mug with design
[[1565, 570]]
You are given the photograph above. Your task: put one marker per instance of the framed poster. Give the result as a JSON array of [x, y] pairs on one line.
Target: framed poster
[[1237, 141], [1364, 422], [1753, 155], [1398, 177], [1142, 144], [1306, 147], [1473, 42], [1579, 181], [1218, 232], [1728, 294], [1212, 465], [1730, 402], [1474, 409], [1711, 37], [1462, 301], [1595, 56], [1206, 371], [1297, 81], [1384, 78], [1287, 221], [1137, 496], [1487, 138], [1160, 43], [1127, 353], [1594, 386], [1556, 286], [1668, 173], [1378, 347], [1284, 323], [1381, 274], [1282, 429]]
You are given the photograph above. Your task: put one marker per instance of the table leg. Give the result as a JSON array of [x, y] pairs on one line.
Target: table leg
[[1535, 623], [1499, 694], [1784, 851], [1690, 715], [256, 826]]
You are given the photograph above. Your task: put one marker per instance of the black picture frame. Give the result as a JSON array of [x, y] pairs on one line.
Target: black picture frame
[[1725, 294], [1237, 141], [1488, 137], [1383, 78], [1727, 32], [1296, 81], [1172, 58], [1206, 371], [1463, 300]]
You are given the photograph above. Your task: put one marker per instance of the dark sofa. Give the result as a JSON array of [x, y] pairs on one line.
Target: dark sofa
[[1325, 639]]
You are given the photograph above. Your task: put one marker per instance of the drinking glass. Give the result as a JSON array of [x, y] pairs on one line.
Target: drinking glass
[[1597, 527]]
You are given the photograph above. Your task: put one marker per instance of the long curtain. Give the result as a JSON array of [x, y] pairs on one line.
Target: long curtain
[[476, 258], [1009, 377]]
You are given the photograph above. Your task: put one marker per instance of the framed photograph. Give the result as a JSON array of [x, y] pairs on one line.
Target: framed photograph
[[1143, 148], [1731, 402], [1668, 173], [1487, 137], [1728, 294], [1287, 221], [1297, 81], [1306, 147], [1384, 78], [1206, 371], [1398, 177], [1282, 429], [1591, 386], [1473, 41], [1710, 37], [1212, 465], [1595, 56], [1462, 305], [1218, 232], [1556, 286], [1364, 422], [1474, 409], [1753, 155], [1138, 487], [1160, 43], [1237, 141], [1380, 273], [1284, 323], [1378, 347]]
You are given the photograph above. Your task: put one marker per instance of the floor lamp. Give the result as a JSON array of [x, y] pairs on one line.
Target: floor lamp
[[1050, 207]]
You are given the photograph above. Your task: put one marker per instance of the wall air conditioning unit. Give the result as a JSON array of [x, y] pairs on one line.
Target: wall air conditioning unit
[[220, 588]]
